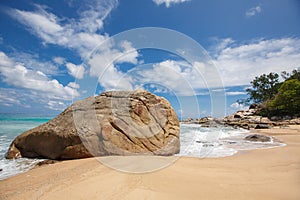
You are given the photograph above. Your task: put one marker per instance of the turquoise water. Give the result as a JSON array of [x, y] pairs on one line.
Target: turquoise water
[[12, 125]]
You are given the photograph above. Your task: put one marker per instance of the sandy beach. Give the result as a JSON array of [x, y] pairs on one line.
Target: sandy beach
[[257, 174]]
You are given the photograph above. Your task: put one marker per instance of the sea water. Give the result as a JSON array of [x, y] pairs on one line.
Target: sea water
[[12, 125], [195, 141]]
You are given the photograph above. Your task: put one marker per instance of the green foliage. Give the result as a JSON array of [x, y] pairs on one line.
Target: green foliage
[[276, 98], [263, 88], [287, 101]]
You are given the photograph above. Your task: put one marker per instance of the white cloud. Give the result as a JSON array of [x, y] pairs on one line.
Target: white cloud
[[56, 105], [177, 76], [128, 54], [18, 75], [76, 71], [8, 97], [159, 88], [93, 15], [103, 65], [169, 74], [23, 99], [235, 93], [59, 60], [237, 106], [168, 3], [74, 85], [240, 63], [221, 44], [33, 62], [13, 97], [79, 35], [42, 23], [253, 11]]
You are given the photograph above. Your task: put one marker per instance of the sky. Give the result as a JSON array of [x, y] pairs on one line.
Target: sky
[[200, 55]]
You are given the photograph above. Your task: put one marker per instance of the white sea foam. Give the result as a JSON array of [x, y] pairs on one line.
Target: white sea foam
[[216, 142], [16, 166]]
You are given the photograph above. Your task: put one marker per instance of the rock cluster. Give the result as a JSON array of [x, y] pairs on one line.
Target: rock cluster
[[250, 119], [204, 122], [114, 123], [245, 119]]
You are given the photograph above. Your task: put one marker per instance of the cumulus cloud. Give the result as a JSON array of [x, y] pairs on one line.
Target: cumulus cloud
[[76, 71], [80, 36], [240, 63], [103, 64], [253, 11], [18, 75], [170, 74], [168, 3], [179, 77]]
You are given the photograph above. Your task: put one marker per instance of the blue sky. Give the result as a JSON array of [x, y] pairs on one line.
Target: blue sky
[[54, 52]]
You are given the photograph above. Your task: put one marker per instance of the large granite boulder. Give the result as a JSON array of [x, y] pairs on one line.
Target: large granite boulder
[[114, 123]]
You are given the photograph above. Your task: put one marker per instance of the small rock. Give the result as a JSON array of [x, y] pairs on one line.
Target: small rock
[[46, 162], [258, 138], [262, 126]]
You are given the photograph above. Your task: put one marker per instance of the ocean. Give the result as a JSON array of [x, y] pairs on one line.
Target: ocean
[[12, 125], [195, 140]]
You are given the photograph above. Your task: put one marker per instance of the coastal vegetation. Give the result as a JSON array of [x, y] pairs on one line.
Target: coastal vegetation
[[275, 97]]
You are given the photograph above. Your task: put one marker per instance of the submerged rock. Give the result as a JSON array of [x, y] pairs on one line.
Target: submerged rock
[[258, 138], [114, 123]]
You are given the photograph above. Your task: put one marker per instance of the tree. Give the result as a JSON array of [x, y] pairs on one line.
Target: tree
[[273, 97], [263, 88], [287, 101], [294, 75]]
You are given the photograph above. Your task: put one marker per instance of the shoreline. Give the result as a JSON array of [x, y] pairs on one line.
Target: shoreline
[[271, 173]]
